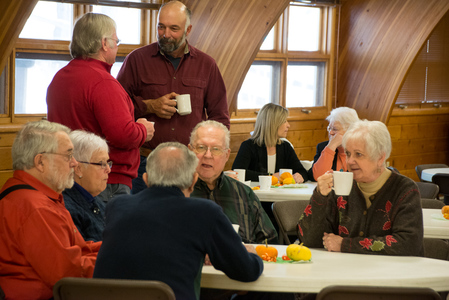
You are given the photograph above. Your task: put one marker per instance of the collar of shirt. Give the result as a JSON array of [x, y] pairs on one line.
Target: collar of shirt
[[87, 196], [38, 185], [97, 62]]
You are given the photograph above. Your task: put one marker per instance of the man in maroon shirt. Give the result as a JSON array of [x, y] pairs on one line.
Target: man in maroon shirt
[[84, 95], [154, 75]]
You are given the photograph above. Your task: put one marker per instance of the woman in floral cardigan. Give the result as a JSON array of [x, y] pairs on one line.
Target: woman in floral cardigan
[[381, 215]]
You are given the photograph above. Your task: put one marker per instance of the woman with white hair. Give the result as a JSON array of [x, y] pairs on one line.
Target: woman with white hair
[[330, 154], [382, 214], [91, 178], [266, 151]]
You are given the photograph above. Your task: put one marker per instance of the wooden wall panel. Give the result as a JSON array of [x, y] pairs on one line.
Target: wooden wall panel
[[379, 40]]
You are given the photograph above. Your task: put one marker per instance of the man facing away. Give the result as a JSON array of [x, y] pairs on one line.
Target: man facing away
[[40, 244], [84, 95], [154, 75], [162, 234], [210, 141]]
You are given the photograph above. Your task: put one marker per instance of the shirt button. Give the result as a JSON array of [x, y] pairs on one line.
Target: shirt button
[[173, 129], [361, 233], [365, 212], [174, 77]]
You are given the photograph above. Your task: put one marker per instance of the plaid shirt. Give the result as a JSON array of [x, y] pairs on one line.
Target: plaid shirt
[[242, 207]]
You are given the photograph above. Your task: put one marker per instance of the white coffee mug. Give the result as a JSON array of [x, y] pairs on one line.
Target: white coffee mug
[[230, 173], [265, 182], [342, 183], [240, 174], [285, 170], [183, 104]]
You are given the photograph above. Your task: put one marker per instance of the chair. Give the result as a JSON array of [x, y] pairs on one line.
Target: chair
[[336, 292], [428, 190], [71, 288], [393, 169], [442, 180], [432, 203], [287, 214], [436, 248], [419, 168]]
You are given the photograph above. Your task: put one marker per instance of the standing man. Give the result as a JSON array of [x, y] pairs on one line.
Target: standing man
[[162, 234], [155, 74], [40, 244], [210, 141], [84, 95]]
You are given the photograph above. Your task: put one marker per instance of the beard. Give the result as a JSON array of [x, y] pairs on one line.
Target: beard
[[168, 45], [60, 181]]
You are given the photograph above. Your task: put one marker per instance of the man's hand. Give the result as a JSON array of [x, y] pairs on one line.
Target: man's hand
[[149, 126], [164, 107]]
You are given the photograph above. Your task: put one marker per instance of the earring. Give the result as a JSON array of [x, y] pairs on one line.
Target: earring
[[80, 176]]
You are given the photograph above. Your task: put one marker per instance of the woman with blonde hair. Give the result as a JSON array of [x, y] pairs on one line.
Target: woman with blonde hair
[[267, 150]]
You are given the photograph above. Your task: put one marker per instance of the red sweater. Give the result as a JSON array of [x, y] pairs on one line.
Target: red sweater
[[40, 244], [84, 95]]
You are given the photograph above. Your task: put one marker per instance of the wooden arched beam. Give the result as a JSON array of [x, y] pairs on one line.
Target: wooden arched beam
[[13, 16], [231, 31], [379, 40]]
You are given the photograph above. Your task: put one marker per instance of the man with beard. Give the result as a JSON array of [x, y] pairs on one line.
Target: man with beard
[[155, 74], [40, 242]]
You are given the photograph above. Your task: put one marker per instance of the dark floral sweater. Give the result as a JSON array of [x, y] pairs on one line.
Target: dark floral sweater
[[391, 226]]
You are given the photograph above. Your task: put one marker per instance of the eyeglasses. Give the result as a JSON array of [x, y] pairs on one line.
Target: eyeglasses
[[101, 163], [329, 129], [116, 40], [68, 156], [202, 149]]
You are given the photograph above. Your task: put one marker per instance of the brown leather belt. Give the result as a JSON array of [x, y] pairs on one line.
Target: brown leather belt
[[145, 151]]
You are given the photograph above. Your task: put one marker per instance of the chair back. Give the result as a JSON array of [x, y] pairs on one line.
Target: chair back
[[287, 214], [393, 169], [376, 293], [442, 180], [432, 203], [436, 248], [428, 190], [70, 288], [419, 168]]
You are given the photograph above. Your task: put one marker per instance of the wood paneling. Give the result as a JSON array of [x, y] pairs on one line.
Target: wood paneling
[[379, 39], [231, 31], [13, 16]]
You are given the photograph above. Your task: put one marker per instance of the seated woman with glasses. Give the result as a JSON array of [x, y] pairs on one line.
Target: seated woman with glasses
[[91, 176], [330, 154], [266, 151]]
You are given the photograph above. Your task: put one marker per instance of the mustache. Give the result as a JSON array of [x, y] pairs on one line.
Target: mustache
[[166, 40]]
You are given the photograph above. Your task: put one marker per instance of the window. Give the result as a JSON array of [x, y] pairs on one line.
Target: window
[[294, 71], [43, 46]]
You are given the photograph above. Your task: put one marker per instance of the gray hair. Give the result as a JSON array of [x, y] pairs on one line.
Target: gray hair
[[375, 135], [32, 139], [187, 11], [214, 124], [270, 117], [88, 33], [86, 143], [343, 115], [171, 169]]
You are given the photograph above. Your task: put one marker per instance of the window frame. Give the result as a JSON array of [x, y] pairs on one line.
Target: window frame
[[326, 53]]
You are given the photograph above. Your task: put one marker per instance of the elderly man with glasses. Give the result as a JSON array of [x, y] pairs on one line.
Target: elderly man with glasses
[[84, 95], [210, 141], [40, 244]]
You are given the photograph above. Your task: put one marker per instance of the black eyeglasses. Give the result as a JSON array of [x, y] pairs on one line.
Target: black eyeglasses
[[68, 156], [101, 163]]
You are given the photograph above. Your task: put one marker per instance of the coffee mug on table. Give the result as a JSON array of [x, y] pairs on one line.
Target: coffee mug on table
[[183, 104], [342, 183], [265, 182], [240, 174]]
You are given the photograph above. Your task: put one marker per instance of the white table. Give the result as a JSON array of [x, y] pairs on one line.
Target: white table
[[427, 174], [282, 194], [333, 268], [435, 228]]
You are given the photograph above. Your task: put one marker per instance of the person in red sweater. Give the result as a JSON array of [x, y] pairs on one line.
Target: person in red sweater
[[84, 95], [40, 244]]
